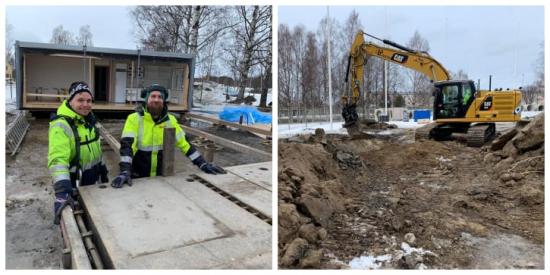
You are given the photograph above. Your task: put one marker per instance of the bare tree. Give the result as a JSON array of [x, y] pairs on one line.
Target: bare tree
[[298, 50], [85, 36], [539, 71], [250, 39], [339, 53], [530, 94], [267, 63], [9, 45], [61, 36], [459, 75], [310, 75], [178, 28], [420, 85], [285, 66]]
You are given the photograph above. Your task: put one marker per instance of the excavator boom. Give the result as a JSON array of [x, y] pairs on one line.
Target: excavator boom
[[360, 50]]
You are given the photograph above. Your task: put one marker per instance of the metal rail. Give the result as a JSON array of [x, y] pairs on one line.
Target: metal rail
[[234, 200]]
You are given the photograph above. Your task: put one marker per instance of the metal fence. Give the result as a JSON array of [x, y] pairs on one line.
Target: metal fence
[[293, 115]]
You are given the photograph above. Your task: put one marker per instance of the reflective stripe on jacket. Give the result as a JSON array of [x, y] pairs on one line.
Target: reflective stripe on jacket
[[141, 144], [61, 149]]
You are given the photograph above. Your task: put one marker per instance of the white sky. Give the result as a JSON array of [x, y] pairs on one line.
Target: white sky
[[504, 41], [111, 26]]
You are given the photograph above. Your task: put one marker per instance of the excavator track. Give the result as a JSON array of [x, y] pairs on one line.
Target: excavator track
[[424, 132], [479, 134]]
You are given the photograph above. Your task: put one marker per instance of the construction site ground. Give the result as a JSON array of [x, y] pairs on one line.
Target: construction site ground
[[32, 240], [393, 202]]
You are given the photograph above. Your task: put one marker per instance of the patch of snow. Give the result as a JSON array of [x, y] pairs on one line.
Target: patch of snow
[[406, 124], [529, 114], [288, 130], [369, 262], [408, 250], [375, 262], [442, 159], [213, 93]]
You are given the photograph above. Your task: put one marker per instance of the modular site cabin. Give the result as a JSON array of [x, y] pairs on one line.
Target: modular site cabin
[[45, 71]]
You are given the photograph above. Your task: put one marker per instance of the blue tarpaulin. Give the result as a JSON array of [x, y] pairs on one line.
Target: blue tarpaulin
[[422, 114], [250, 115]]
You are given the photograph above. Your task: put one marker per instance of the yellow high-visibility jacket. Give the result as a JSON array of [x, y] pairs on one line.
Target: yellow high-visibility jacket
[[141, 143], [62, 151]]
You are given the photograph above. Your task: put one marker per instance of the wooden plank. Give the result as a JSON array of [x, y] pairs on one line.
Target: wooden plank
[[108, 137], [226, 143], [168, 144], [185, 88], [260, 129], [79, 258]]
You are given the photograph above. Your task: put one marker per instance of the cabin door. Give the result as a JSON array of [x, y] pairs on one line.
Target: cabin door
[[120, 86]]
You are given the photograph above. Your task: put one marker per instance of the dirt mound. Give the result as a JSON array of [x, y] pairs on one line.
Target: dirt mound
[[373, 124], [312, 189], [344, 202], [517, 160]]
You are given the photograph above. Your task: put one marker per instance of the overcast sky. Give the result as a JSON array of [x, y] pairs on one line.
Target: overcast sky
[[481, 40], [110, 25], [504, 41]]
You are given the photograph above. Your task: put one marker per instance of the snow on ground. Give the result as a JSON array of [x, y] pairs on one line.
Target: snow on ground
[[529, 114], [375, 262], [10, 93], [215, 94], [288, 130]]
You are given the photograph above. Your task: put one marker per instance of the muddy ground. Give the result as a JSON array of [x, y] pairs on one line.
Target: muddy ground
[[32, 240], [397, 203]]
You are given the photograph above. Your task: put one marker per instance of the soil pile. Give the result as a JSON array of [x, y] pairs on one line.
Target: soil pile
[[426, 204]]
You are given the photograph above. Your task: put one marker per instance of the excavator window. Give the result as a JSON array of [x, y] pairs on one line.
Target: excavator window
[[448, 102], [466, 94], [450, 94]]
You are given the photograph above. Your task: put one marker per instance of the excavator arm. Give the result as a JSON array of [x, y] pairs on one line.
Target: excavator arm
[[419, 61]]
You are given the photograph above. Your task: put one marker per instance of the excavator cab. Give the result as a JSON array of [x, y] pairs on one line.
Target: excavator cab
[[453, 98]]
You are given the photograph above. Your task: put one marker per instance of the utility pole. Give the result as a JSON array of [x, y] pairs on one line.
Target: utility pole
[[329, 71], [385, 88]]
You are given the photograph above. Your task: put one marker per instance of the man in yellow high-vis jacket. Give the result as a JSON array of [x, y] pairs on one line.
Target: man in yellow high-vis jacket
[[142, 137], [74, 149]]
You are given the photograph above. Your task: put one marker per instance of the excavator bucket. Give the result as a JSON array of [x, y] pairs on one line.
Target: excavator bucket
[[349, 113]]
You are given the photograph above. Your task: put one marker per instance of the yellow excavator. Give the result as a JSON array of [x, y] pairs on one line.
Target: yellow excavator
[[458, 107]]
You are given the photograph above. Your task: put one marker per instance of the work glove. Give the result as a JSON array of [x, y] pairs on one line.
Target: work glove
[[121, 179], [212, 168], [103, 173], [209, 168], [62, 199]]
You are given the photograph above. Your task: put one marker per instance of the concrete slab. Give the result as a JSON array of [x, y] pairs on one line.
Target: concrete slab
[[258, 173], [250, 184], [173, 223]]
